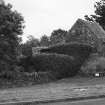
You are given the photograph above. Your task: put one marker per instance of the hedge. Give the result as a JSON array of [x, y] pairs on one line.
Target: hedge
[[61, 65], [95, 63], [75, 49]]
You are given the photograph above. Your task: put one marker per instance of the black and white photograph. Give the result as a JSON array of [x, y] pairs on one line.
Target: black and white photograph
[[52, 52]]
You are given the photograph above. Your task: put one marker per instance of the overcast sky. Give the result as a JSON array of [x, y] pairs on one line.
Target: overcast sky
[[44, 16]]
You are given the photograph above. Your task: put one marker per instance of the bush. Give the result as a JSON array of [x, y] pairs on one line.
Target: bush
[[94, 64], [78, 50], [10, 75], [61, 65], [26, 64], [46, 76]]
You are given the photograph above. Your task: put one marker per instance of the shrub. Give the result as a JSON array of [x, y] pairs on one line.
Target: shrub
[[94, 64], [61, 65], [26, 64], [46, 76], [10, 75], [75, 49]]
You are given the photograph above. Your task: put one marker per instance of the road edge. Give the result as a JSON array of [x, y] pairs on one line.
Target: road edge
[[53, 101]]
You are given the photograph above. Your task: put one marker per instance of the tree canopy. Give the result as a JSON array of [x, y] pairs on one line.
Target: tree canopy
[[99, 13], [44, 41], [58, 36], [11, 27]]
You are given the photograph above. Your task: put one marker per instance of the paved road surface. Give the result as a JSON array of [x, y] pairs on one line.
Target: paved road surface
[[84, 102]]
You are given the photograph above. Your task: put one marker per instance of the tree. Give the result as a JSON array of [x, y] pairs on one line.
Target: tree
[[26, 48], [99, 14], [32, 42], [11, 27], [58, 36], [44, 41]]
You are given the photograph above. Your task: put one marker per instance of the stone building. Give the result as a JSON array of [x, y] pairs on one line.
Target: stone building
[[87, 32]]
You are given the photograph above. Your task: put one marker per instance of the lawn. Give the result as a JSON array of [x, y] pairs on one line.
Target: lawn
[[66, 88]]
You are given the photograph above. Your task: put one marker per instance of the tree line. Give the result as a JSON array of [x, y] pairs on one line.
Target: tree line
[[57, 36], [11, 29]]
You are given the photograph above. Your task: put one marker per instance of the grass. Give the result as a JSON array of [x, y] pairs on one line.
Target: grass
[[26, 81], [5, 84], [71, 87]]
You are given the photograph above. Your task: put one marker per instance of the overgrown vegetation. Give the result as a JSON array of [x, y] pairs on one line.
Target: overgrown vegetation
[[59, 64], [75, 49], [11, 27], [94, 64], [59, 60], [99, 13]]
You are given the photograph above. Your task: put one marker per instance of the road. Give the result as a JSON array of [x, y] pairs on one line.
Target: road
[[84, 102]]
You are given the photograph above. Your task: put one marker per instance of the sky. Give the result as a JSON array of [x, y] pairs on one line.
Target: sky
[[43, 16]]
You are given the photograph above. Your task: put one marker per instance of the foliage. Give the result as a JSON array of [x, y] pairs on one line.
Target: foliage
[[26, 48], [95, 63], [46, 76], [77, 50], [44, 41], [11, 27], [58, 36], [61, 65], [99, 13], [32, 41]]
